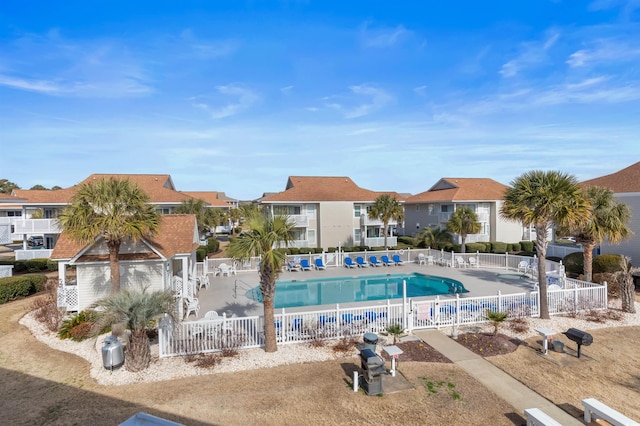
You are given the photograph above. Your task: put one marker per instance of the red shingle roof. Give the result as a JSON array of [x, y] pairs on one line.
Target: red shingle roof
[[177, 235], [214, 199], [625, 180], [461, 189], [319, 188]]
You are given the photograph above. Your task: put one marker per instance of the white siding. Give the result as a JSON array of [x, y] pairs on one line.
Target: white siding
[[93, 284]]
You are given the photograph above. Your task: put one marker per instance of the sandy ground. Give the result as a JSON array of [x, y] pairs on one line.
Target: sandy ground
[[44, 386]]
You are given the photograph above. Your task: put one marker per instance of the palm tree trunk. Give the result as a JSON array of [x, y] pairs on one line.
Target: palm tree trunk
[[627, 288], [386, 225], [463, 247], [270, 343], [138, 356], [587, 269], [114, 263], [541, 249]]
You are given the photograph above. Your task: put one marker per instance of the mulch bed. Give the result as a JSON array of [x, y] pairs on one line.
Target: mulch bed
[[483, 344]]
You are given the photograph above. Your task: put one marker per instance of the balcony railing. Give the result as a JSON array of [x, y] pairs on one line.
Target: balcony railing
[[299, 243], [379, 241], [366, 220], [33, 254], [300, 220], [36, 226]]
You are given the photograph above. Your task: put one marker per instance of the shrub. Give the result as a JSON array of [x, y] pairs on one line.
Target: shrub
[[499, 247], [516, 247], [52, 265], [574, 263], [293, 250], [78, 327], [213, 245], [46, 309], [407, 240], [476, 247], [527, 245], [13, 288], [607, 263], [201, 253], [36, 265]]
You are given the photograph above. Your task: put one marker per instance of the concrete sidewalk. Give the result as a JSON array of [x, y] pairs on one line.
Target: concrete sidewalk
[[494, 379]]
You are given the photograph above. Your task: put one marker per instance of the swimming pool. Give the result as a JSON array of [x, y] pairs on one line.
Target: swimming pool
[[324, 291]]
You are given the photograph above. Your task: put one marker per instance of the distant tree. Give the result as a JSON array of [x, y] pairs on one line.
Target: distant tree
[[117, 210], [7, 186], [37, 214], [234, 216], [55, 187], [198, 207], [543, 198], [609, 220], [435, 238], [386, 208], [464, 221], [39, 188]]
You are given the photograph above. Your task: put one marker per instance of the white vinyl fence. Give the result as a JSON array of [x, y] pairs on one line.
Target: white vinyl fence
[[206, 336]]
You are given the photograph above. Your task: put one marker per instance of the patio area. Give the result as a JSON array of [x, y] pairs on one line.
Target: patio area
[[226, 294]]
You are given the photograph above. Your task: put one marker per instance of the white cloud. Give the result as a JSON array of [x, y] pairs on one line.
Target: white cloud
[[532, 53], [375, 99], [207, 48], [286, 90], [244, 99], [606, 52], [40, 86], [420, 90], [383, 37]]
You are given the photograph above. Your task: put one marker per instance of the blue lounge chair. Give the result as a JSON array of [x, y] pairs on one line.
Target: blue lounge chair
[[304, 264], [348, 262], [319, 264], [385, 260], [374, 261], [397, 260], [361, 262]]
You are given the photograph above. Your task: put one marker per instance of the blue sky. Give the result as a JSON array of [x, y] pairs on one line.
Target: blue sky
[[236, 96]]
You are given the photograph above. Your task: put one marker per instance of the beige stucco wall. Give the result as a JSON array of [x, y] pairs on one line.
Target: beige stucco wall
[[336, 223]]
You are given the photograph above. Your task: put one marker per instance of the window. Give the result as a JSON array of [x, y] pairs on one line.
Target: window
[[164, 210], [431, 209], [311, 209], [287, 210], [357, 210], [14, 213], [311, 236], [357, 235]]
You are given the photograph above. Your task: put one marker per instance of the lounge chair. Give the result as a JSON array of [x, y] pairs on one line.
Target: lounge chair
[[397, 260], [293, 267], [374, 261], [385, 260], [319, 264], [361, 262], [304, 264], [348, 262]]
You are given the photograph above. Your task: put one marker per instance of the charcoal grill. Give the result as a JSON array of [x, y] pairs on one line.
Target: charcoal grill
[[579, 337], [373, 368]]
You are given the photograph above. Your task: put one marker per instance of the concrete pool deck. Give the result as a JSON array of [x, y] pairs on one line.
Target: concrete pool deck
[[227, 294]]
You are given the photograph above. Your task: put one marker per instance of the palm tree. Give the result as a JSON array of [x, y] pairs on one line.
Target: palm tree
[[435, 238], [266, 236], [234, 216], [116, 210], [464, 221], [386, 208], [609, 220], [199, 208], [542, 199], [137, 309]]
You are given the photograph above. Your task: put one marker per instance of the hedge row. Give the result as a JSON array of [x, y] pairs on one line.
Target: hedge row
[[31, 265], [19, 287]]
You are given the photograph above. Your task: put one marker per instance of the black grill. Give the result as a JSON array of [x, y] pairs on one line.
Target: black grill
[[580, 337]]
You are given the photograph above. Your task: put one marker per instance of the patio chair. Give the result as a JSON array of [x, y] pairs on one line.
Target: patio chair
[[374, 261], [422, 260], [385, 260], [397, 260], [211, 315], [192, 304], [304, 264], [473, 262], [523, 266], [203, 281], [223, 269], [461, 262], [319, 264], [361, 262], [348, 263]]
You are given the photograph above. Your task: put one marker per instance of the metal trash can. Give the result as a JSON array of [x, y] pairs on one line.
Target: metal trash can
[[558, 346], [112, 353], [370, 341]]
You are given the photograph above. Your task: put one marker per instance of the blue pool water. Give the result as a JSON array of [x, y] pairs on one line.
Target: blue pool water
[[325, 291]]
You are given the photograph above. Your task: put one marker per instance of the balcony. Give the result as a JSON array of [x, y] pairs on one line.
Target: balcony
[[33, 254], [299, 243], [300, 220]]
